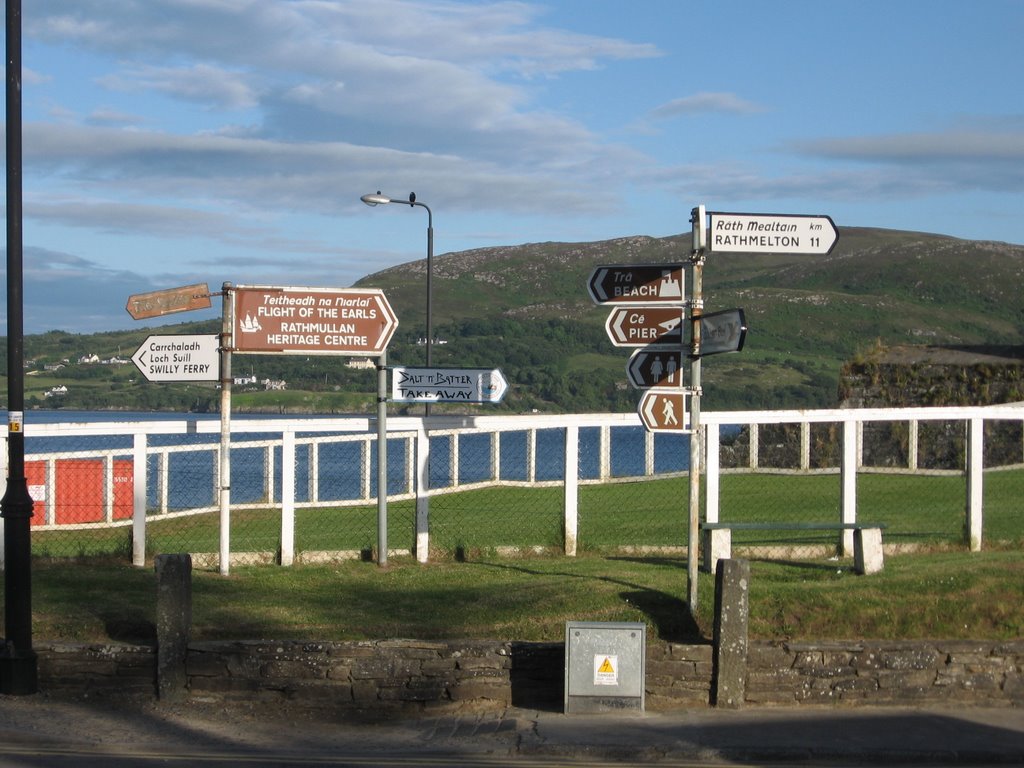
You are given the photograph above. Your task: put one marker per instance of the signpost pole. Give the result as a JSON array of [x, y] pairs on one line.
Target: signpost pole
[[224, 484], [382, 459], [697, 304]]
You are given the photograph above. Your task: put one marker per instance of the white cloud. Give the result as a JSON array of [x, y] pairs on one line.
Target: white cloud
[[67, 292], [922, 147], [263, 174], [989, 160], [202, 83], [332, 90], [702, 103]]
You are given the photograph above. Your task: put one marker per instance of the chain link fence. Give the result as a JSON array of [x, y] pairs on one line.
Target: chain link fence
[[782, 483], [304, 491]]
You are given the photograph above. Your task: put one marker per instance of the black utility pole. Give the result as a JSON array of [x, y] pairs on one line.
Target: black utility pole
[[18, 665]]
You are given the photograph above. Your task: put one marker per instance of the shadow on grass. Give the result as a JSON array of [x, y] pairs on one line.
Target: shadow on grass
[[668, 615]]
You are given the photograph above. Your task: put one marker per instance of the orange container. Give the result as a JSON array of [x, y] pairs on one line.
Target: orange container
[[79, 494], [35, 476]]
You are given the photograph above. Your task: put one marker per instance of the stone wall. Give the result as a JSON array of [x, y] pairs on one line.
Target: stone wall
[[875, 673], [405, 677]]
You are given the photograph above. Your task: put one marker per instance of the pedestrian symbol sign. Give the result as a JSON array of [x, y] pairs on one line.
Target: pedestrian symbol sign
[[664, 410], [606, 669]]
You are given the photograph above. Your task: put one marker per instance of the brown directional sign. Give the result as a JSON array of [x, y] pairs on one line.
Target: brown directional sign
[[316, 321], [664, 410], [637, 284], [640, 326], [656, 366], [156, 303]]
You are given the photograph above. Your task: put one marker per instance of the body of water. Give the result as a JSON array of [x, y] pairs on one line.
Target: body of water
[[341, 470]]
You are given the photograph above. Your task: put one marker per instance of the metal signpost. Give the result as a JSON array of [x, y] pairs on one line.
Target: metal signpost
[[268, 320], [725, 331], [172, 358], [447, 385], [179, 358], [313, 321]]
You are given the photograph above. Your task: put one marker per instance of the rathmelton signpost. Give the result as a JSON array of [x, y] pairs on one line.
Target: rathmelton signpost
[[649, 313]]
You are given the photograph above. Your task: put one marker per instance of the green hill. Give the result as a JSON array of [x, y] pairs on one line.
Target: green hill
[[525, 309]]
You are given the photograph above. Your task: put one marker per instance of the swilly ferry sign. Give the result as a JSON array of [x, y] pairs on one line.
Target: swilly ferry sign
[[179, 358], [318, 321]]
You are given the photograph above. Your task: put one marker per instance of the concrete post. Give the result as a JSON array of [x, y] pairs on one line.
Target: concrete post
[[732, 607], [173, 623]]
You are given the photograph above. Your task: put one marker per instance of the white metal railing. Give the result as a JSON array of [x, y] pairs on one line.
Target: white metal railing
[[289, 435]]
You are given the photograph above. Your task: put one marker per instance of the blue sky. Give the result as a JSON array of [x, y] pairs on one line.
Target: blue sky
[[169, 142]]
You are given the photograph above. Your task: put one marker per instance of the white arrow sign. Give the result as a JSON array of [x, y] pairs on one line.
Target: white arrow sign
[[179, 358], [447, 385], [771, 233]]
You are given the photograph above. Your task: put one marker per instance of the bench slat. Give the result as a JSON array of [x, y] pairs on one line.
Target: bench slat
[[787, 526]]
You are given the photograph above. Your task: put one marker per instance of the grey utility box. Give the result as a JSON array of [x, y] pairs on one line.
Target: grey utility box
[[604, 666]]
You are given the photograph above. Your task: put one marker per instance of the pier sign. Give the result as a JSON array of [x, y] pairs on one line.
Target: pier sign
[[771, 233], [179, 358], [312, 321], [640, 326]]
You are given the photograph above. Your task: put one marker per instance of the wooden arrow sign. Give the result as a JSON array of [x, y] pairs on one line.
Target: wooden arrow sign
[[157, 303]]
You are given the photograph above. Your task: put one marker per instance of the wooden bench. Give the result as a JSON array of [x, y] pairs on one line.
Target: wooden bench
[[716, 540]]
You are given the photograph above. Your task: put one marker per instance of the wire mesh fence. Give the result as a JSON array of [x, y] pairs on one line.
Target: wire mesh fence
[[306, 490], [782, 483]]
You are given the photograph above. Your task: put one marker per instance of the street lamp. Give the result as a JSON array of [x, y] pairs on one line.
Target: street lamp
[[379, 199]]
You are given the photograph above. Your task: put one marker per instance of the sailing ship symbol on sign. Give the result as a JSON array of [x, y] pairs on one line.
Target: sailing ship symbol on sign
[[250, 324]]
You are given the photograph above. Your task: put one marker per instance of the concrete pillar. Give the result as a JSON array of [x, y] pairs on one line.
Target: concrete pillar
[[732, 608], [173, 623], [716, 545], [867, 550]]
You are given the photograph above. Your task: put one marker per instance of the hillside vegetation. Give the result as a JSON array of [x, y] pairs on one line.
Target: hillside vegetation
[[525, 309]]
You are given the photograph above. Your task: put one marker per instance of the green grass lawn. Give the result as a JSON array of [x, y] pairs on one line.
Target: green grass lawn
[[920, 509], [936, 594]]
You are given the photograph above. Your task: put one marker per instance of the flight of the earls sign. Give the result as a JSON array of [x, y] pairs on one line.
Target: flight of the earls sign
[[649, 304]]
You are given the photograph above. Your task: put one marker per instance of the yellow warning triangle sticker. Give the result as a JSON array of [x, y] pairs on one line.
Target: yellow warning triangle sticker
[[606, 667]]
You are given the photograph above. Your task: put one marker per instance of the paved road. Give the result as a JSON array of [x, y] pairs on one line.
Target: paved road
[[36, 731]]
